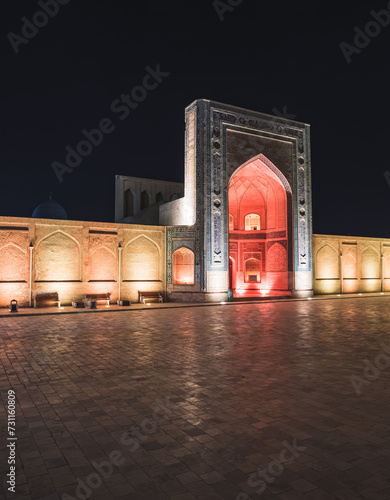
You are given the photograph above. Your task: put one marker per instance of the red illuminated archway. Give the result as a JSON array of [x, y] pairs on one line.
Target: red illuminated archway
[[183, 266], [259, 229]]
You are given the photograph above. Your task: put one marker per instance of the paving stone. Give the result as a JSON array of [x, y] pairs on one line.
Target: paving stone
[[282, 395]]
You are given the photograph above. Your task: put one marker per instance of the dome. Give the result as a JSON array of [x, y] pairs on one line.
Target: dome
[[50, 209]]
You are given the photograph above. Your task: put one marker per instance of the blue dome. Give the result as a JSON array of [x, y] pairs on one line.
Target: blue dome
[[50, 209]]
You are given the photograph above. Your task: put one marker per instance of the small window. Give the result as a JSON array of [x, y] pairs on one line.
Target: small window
[[174, 197], [183, 267], [231, 222], [252, 222], [159, 197], [252, 271]]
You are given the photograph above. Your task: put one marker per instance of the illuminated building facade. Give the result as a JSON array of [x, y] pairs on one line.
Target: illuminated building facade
[[242, 221], [246, 210]]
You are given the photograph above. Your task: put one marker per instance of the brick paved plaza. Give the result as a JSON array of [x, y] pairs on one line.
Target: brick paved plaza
[[228, 402]]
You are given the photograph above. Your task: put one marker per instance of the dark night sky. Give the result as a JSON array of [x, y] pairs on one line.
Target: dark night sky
[[265, 55]]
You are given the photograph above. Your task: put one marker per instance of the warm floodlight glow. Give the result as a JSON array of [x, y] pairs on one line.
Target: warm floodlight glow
[[252, 222], [258, 205], [183, 267]]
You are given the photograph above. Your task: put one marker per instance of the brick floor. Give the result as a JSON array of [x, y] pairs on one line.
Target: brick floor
[[232, 402]]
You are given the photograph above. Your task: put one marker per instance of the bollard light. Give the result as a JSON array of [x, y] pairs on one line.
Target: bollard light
[[13, 306]]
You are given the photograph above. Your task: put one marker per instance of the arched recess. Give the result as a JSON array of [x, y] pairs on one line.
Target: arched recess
[[141, 260], [57, 258], [252, 271], [260, 200], [128, 203], [277, 258], [231, 222], [13, 263], [386, 264], [350, 268], [370, 263], [183, 266], [102, 265], [259, 183], [327, 263], [252, 222], [144, 200]]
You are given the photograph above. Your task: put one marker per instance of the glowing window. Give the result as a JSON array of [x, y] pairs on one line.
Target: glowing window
[[252, 222], [231, 222], [252, 271], [183, 267]]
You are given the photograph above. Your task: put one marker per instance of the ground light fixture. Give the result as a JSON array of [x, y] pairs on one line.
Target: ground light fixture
[[13, 306]]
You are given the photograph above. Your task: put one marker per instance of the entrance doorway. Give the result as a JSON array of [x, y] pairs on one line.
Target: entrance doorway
[[258, 231]]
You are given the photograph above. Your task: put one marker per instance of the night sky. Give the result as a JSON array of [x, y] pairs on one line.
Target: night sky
[[263, 55]]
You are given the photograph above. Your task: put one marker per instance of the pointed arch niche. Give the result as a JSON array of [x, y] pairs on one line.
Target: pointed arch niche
[[183, 266], [57, 258], [260, 203], [141, 260]]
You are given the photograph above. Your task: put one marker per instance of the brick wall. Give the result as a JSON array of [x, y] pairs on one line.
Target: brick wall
[[344, 264], [75, 257]]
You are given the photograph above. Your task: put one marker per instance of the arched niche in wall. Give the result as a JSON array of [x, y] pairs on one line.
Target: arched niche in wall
[[128, 203], [13, 263], [57, 258], [102, 265], [141, 260], [144, 200], [277, 258], [252, 269], [327, 263], [370, 263], [183, 266]]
